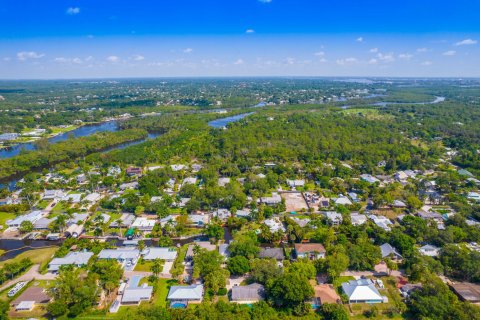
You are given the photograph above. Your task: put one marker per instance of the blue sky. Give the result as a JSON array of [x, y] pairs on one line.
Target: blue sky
[[105, 38]]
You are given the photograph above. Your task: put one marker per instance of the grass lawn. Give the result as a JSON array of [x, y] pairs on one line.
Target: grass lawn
[[163, 286], [59, 208], [4, 216], [38, 256], [144, 266]]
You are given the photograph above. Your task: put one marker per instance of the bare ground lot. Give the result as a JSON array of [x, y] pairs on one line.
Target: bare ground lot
[[294, 201]]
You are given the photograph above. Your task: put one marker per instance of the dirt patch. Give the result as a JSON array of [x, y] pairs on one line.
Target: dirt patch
[[294, 201]]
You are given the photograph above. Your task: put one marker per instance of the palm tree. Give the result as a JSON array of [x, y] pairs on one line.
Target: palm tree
[[156, 267]]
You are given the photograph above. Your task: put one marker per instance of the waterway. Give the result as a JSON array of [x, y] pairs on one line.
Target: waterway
[[83, 131], [223, 122]]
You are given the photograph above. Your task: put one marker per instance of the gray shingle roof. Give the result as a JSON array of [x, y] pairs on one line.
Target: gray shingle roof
[[252, 292]]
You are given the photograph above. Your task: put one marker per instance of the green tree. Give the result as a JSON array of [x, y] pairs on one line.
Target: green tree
[[26, 226], [332, 311], [238, 265], [289, 290]]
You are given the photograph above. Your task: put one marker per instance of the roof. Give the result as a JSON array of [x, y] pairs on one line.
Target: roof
[[74, 258], [387, 250], [192, 292], [25, 305], [276, 253], [309, 247], [326, 293], [252, 292], [119, 253], [159, 253], [136, 294], [467, 291], [361, 290], [33, 293]]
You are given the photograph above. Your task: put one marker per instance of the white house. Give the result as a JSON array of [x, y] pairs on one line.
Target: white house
[[429, 250], [77, 259], [143, 224], [183, 295], [362, 291], [152, 253]]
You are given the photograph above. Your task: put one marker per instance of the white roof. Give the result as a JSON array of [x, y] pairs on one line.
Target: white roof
[[25, 305], [137, 294], [119, 253], [159, 253], [361, 290], [143, 222], [343, 200], [72, 258], [193, 292]]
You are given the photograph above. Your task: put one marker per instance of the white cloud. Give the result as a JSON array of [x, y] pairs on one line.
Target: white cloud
[[426, 63], [75, 60], [113, 59], [466, 42], [239, 61], [346, 61], [187, 50], [73, 11], [249, 31], [319, 54], [265, 1], [388, 57], [322, 60], [405, 56], [374, 50], [422, 50], [138, 57], [290, 60], [359, 39], [449, 53], [372, 61], [24, 55]]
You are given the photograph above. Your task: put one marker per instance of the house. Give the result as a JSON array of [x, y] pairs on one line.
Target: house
[[202, 244], [252, 293], [126, 221], [310, 250], [429, 215], [274, 199], [222, 214], [269, 253], [93, 197], [5, 201], [134, 293], [133, 171], [334, 218], [467, 291], [143, 224], [152, 253], [381, 221], [33, 217], [199, 220], [77, 218], [429, 250], [399, 204], [475, 196], [129, 185], [408, 288], [9, 136], [81, 178], [178, 167], [400, 176], [325, 293], [343, 201], [296, 183], [181, 296], [31, 297], [274, 225], [465, 173], [353, 196], [323, 202], [390, 252], [43, 223], [77, 259], [362, 291], [369, 178], [53, 195], [243, 213], [189, 180], [73, 197], [125, 256], [358, 219], [222, 182]]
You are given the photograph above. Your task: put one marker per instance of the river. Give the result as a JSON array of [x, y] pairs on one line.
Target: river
[[79, 132], [223, 122]]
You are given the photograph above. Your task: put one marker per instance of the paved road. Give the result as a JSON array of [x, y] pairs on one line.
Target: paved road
[[32, 273]]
